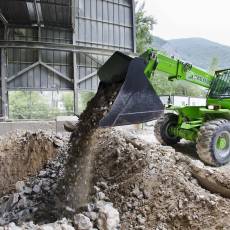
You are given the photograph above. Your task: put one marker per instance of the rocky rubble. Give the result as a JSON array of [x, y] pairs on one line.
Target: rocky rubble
[[100, 215], [63, 224]]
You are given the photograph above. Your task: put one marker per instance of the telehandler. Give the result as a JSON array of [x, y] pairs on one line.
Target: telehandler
[[137, 102]]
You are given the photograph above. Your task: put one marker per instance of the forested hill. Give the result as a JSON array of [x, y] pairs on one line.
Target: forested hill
[[198, 51]]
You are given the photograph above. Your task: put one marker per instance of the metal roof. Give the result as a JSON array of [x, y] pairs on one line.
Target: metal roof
[[32, 12]]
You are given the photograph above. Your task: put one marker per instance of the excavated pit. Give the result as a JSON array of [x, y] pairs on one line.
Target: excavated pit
[[23, 155]]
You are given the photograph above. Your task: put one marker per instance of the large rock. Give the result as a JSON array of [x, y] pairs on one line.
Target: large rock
[[108, 218], [19, 186], [58, 225], [82, 222]]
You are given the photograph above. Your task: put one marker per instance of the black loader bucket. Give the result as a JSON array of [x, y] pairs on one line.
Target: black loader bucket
[[137, 101]]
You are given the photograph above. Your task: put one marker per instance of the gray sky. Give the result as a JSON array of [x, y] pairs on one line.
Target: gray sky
[[209, 19]]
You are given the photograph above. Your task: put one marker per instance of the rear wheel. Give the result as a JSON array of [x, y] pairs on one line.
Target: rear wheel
[[213, 142], [162, 127]]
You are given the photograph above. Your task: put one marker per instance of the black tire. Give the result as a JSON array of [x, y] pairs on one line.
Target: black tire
[[208, 144], [161, 129]]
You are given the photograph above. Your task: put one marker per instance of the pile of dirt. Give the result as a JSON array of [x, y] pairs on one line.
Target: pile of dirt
[[110, 180], [23, 154], [154, 187], [134, 185]]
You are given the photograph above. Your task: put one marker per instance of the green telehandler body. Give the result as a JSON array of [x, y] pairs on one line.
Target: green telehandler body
[[137, 102]]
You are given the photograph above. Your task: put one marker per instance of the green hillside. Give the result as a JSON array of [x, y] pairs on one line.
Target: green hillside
[[197, 51]]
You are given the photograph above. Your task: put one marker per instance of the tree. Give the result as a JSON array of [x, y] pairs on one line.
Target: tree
[[144, 26], [214, 65], [27, 105], [144, 40], [68, 102], [84, 98], [179, 88]]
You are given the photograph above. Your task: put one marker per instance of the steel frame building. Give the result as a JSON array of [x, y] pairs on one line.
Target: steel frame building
[[49, 45]]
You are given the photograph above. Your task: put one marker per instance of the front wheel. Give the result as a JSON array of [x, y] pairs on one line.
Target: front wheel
[[213, 142], [162, 127]]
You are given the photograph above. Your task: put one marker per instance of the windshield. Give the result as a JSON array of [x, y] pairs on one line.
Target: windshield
[[220, 87]]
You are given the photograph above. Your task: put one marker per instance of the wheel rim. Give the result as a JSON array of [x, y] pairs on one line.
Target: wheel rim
[[222, 144], [168, 131]]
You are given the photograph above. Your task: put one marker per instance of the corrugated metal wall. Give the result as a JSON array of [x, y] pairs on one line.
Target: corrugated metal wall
[[100, 24], [105, 23]]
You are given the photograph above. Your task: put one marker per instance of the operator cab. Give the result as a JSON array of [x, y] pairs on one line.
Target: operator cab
[[220, 87]]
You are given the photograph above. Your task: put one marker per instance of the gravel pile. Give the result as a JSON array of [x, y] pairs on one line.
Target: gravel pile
[[155, 187]]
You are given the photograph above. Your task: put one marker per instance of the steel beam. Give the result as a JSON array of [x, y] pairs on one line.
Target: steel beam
[[56, 72], [87, 90], [94, 59], [3, 19], [38, 89], [105, 22], [47, 25], [45, 2], [33, 66], [59, 47], [53, 27], [3, 84], [23, 71], [87, 77]]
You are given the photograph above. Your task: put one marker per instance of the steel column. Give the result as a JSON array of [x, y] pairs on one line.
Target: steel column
[[134, 26], [3, 84], [75, 77], [76, 99]]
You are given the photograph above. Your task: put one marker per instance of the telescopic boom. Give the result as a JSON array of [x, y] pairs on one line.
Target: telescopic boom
[[176, 69]]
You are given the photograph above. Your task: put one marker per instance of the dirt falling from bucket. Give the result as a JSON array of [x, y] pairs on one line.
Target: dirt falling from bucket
[[74, 190]]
